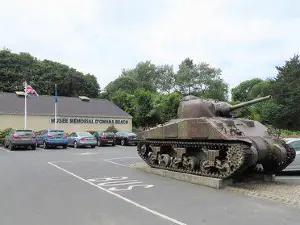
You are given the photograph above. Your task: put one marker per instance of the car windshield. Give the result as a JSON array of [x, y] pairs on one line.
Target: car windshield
[[108, 133], [84, 134]]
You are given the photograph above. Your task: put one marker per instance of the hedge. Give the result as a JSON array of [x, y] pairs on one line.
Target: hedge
[[3, 133], [288, 133]]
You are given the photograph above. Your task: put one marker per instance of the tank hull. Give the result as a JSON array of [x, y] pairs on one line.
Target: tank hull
[[214, 147]]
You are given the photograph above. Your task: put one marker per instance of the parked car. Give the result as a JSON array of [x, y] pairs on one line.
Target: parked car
[[82, 139], [126, 138], [20, 138], [105, 138], [51, 138], [295, 143]]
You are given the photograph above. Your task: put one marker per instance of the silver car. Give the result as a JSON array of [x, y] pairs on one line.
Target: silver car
[[295, 143], [20, 138], [82, 139]]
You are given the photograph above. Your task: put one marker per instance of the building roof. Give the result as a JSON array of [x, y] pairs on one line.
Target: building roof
[[12, 103]]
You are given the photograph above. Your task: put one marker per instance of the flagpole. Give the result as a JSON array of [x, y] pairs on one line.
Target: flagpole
[[55, 113], [25, 108]]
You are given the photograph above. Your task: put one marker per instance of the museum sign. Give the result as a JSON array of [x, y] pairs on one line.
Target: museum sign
[[89, 121]]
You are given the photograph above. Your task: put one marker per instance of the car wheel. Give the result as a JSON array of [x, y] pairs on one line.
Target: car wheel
[[75, 144], [65, 146], [5, 145], [93, 146], [33, 147], [123, 142]]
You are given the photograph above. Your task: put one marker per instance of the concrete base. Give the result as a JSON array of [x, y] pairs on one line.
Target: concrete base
[[194, 179]]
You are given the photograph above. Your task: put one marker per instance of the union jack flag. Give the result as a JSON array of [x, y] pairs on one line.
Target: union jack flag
[[30, 90]]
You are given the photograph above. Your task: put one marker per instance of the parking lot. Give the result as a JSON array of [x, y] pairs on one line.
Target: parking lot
[[97, 186]]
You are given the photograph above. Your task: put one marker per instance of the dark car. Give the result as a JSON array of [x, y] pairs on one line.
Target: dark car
[[105, 138], [126, 138], [20, 138]]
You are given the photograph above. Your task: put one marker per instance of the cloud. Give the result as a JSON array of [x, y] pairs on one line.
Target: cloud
[[244, 46], [246, 39]]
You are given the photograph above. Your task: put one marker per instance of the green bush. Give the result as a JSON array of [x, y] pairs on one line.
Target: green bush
[[289, 133], [3, 133], [111, 128]]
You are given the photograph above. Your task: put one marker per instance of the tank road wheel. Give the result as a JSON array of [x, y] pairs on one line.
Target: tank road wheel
[[176, 162], [164, 160], [190, 162], [152, 159]]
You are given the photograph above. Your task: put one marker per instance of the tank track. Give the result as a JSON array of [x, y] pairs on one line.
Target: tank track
[[244, 160]]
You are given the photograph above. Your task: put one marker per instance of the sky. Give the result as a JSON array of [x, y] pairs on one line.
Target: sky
[[245, 39]]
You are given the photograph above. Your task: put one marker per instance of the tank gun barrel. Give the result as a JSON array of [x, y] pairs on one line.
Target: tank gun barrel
[[254, 101]]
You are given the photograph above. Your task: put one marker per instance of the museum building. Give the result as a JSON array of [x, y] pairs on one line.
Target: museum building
[[73, 113]]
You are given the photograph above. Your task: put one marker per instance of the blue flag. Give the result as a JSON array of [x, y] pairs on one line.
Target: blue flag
[[56, 99]]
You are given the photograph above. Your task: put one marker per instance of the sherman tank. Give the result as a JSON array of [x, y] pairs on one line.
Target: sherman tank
[[208, 140]]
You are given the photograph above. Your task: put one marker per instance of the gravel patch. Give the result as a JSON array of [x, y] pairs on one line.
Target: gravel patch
[[288, 194]]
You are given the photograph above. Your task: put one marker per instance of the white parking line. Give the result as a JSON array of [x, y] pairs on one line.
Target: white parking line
[[119, 164], [120, 196]]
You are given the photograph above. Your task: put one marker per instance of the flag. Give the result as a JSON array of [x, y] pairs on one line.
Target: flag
[[30, 90], [56, 99]]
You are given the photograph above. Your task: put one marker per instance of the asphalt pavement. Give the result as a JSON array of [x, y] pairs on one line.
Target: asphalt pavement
[[97, 186]]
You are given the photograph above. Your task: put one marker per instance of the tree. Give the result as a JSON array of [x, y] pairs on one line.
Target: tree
[[216, 89], [145, 74], [201, 80], [146, 115], [126, 102], [42, 75], [166, 106], [122, 83], [166, 81], [248, 90], [261, 89], [185, 77], [243, 90], [286, 94]]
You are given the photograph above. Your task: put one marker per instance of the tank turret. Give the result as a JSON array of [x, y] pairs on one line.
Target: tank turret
[[193, 107]]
